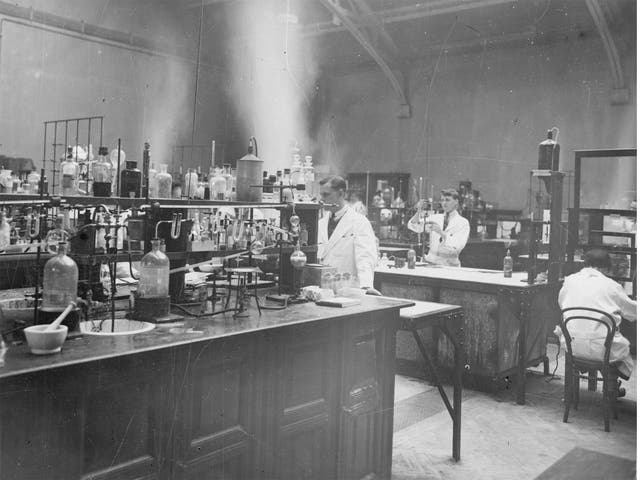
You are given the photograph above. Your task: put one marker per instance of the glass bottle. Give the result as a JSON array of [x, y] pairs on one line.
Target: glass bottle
[[113, 157], [226, 173], [69, 171], [55, 235], [154, 273], [33, 179], [60, 282], [297, 177], [217, 185], [411, 258], [153, 181], [5, 231], [130, 181], [190, 183], [286, 191], [309, 177], [163, 181], [507, 265], [102, 174]]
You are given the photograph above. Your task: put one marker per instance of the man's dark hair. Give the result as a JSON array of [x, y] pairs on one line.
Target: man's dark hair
[[450, 192], [597, 258], [335, 182]]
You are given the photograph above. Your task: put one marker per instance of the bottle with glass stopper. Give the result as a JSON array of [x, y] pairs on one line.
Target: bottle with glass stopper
[[60, 281], [154, 273]]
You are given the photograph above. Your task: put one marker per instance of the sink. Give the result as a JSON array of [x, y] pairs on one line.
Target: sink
[[122, 326]]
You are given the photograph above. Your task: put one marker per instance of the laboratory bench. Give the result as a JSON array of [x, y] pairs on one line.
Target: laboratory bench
[[305, 392], [506, 321]]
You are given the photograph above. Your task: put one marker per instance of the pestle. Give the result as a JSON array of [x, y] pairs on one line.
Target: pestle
[[56, 323]]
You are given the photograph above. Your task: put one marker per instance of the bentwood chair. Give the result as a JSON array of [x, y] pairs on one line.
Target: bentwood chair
[[575, 367]]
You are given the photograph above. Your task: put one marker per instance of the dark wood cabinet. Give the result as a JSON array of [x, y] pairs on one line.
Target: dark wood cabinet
[[310, 401]]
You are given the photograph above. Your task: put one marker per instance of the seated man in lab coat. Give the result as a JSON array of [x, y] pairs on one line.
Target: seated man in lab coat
[[590, 287], [448, 232], [345, 238]]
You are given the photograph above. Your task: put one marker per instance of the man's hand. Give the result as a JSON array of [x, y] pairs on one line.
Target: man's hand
[[372, 291]]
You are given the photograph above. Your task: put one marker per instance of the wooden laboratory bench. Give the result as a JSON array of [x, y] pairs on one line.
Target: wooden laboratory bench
[[506, 326], [305, 392]]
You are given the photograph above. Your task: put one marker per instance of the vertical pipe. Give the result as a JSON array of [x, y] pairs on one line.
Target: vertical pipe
[[101, 127], [44, 145], [118, 168], [88, 158]]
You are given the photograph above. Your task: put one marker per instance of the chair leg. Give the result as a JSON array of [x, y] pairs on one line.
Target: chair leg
[[593, 380], [568, 387], [576, 388], [605, 399]]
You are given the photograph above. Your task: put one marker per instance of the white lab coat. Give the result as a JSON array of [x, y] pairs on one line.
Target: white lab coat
[[444, 249], [591, 288], [351, 248]]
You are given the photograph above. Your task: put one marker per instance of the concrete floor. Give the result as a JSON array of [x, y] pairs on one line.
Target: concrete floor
[[500, 439]]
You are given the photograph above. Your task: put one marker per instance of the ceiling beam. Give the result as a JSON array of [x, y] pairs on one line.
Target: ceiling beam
[[609, 45], [345, 16], [378, 27], [400, 14]]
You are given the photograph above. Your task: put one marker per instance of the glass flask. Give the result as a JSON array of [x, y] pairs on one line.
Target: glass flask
[[130, 181], [154, 273], [102, 174], [298, 258], [190, 184], [164, 181], [5, 180], [69, 171], [60, 282]]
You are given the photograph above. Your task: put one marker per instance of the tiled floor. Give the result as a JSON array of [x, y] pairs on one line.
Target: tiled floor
[[500, 439]]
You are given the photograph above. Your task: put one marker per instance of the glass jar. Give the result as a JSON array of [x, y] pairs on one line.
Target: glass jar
[[102, 174], [60, 282], [154, 273], [5, 231], [163, 181], [153, 181]]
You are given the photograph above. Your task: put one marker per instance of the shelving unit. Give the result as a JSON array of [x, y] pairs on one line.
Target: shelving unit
[[589, 227]]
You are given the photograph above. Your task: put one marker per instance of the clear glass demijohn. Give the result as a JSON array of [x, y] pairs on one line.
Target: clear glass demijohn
[[154, 273], [60, 282]]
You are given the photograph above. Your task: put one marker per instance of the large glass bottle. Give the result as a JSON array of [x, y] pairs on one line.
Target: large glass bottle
[[60, 282], [164, 181], [218, 185], [153, 181], [226, 173], [69, 171], [154, 273], [130, 181], [102, 174]]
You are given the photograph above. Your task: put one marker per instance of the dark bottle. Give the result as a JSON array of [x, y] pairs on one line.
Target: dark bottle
[[130, 180], [507, 265], [411, 258]]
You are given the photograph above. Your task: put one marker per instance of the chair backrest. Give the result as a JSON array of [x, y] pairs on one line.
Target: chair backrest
[[589, 314]]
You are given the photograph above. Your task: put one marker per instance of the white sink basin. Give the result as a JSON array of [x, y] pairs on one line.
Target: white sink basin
[[122, 326]]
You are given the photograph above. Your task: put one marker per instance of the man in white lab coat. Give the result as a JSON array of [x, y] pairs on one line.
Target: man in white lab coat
[[345, 238], [448, 232], [590, 287]]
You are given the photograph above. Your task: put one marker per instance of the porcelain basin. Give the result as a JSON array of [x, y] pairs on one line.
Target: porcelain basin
[[122, 326]]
